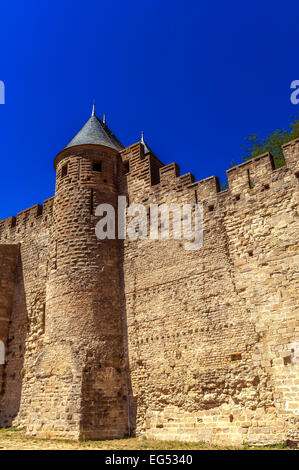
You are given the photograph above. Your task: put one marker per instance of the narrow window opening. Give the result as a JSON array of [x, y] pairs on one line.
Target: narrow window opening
[[297, 175], [238, 197], [64, 171], [97, 166], [211, 208], [250, 182], [250, 253], [126, 166]]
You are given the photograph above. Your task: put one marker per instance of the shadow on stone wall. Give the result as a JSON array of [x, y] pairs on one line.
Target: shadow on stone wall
[[13, 371], [131, 399]]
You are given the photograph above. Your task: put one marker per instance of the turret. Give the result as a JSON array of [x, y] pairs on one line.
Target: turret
[[81, 386]]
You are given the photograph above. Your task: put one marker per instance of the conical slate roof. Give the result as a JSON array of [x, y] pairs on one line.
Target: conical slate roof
[[96, 132]]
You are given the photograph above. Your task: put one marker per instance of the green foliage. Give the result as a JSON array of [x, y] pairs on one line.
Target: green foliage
[[255, 146], [279, 445], [272, 143]]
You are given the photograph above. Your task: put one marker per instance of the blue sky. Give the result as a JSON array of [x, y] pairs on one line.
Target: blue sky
[[196, 76]]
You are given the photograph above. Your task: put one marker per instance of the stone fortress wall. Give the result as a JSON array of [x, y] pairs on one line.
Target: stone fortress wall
[[198, 345], [213, 334]]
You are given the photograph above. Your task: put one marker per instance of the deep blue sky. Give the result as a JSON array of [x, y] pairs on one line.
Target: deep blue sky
[[196, 76]]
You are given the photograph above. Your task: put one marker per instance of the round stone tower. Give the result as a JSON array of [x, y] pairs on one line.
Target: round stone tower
[[81, 385]]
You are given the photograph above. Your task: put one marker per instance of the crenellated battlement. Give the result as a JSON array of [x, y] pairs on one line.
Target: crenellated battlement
[[250, 174], [28, 219], [145, 173], [140, 173], [206, 188], [169, 172]]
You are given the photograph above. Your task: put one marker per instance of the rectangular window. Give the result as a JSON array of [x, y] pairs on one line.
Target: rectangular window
[[64, 171], [126, 167], [250, 182], [97, 166]]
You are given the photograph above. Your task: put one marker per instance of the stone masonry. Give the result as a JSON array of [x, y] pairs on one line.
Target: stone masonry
[[106, 338]]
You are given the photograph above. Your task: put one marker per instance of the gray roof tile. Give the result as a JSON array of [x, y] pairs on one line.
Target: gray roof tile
[[97, 133]]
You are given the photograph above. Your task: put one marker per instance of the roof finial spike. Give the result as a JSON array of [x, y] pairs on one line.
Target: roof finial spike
[[93, 109], [104, 118], [142, 137]]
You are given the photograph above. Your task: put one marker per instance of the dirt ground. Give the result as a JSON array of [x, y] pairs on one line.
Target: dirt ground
[[13, 439]]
